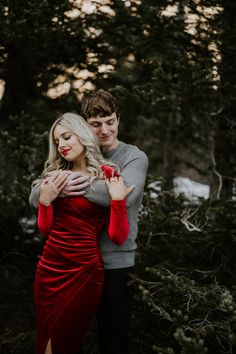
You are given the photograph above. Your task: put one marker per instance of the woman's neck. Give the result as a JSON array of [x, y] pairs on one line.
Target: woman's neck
[[80, 166]]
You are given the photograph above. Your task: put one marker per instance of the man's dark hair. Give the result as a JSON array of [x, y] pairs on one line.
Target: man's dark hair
[[99, 104]]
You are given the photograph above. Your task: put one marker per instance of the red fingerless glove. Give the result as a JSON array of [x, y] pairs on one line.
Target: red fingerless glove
[[45, 218], [109, 171], [118, 229]]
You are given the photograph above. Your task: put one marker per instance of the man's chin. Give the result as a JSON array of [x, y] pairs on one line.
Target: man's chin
[[106, 146], [105, 143]]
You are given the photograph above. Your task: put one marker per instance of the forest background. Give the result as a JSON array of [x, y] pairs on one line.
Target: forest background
[[171, 64]]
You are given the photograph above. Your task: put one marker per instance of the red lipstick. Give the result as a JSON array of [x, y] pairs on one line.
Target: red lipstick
[[65, 152]]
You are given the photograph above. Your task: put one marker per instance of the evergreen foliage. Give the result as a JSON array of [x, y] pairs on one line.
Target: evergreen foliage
[[22, 157], [174, 76], [185, 280], [171, 65]]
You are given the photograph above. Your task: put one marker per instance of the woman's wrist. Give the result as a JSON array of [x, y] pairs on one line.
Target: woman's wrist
[[44, 202], [118, 201]]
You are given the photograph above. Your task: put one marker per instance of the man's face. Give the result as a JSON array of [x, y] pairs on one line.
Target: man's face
[[106, 129]]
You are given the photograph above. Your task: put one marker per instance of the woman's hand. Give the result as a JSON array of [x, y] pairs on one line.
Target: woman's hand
[[117, 188], [51, 187], [76, 183]]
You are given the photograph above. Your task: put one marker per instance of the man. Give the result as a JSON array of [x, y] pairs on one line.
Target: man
[[100, 109]]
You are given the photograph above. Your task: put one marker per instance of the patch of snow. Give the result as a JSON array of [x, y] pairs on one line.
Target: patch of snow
[[192, 190], [155, 189], [28, 224]]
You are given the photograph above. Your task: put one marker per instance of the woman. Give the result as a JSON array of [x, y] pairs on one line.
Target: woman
[[69, 276]]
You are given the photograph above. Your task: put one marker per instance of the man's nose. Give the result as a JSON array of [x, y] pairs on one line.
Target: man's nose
[[104, 129]]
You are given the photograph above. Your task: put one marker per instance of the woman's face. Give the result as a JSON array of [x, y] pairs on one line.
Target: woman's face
[[68, 144]]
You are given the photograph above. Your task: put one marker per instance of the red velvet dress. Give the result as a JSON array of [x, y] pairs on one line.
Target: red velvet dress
[[69, 276]]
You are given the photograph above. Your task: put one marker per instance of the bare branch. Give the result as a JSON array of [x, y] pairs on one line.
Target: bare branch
[[220, 178]]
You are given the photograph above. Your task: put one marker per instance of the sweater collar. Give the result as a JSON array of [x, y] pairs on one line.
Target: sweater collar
[[110, 153]]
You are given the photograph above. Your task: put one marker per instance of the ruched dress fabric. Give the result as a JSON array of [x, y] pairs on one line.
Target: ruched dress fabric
[[69, 276]]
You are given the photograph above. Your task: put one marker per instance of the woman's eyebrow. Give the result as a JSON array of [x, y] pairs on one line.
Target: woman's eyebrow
[[63, 134]]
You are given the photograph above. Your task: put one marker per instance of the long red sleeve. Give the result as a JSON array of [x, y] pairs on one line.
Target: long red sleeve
[[118, 229], [45, 218]]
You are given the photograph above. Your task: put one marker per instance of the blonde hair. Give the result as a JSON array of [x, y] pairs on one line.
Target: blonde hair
[[93, 157]]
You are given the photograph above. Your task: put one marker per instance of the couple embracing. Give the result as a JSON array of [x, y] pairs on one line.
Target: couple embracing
[[88, 202]]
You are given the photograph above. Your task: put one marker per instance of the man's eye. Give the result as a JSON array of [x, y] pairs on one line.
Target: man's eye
[[95, 125]]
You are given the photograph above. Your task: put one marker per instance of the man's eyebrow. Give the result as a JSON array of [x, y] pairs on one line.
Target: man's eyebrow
[[97, 120]]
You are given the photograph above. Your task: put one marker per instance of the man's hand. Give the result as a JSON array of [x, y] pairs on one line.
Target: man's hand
[[75, 186]]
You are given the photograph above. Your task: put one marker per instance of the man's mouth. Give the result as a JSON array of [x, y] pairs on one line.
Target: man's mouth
[[105, 137]]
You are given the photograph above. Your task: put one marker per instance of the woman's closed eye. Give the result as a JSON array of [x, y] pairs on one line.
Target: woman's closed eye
[[64, 138], [67, 137]]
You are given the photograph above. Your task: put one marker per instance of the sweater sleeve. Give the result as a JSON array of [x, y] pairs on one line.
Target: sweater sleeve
[[34, 196], [118, 229], [45, 218], [133, 171]]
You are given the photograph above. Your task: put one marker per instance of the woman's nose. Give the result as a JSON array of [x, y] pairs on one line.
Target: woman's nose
[[61, 144]]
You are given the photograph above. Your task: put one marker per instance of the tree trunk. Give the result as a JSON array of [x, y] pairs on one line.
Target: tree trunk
[[226, 132]]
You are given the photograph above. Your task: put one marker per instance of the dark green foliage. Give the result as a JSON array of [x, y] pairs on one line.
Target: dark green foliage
[[176, 90], [173, 74], [23, 152], [164, 81], [225, 120], [37, 43], [168, 77], [175, 228], [17, 321], [185, 281]]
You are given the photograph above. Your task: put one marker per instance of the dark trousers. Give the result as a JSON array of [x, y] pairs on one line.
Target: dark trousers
[[114, 310]]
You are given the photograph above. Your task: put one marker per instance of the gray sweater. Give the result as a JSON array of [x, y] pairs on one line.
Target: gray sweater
[[133, 165]]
